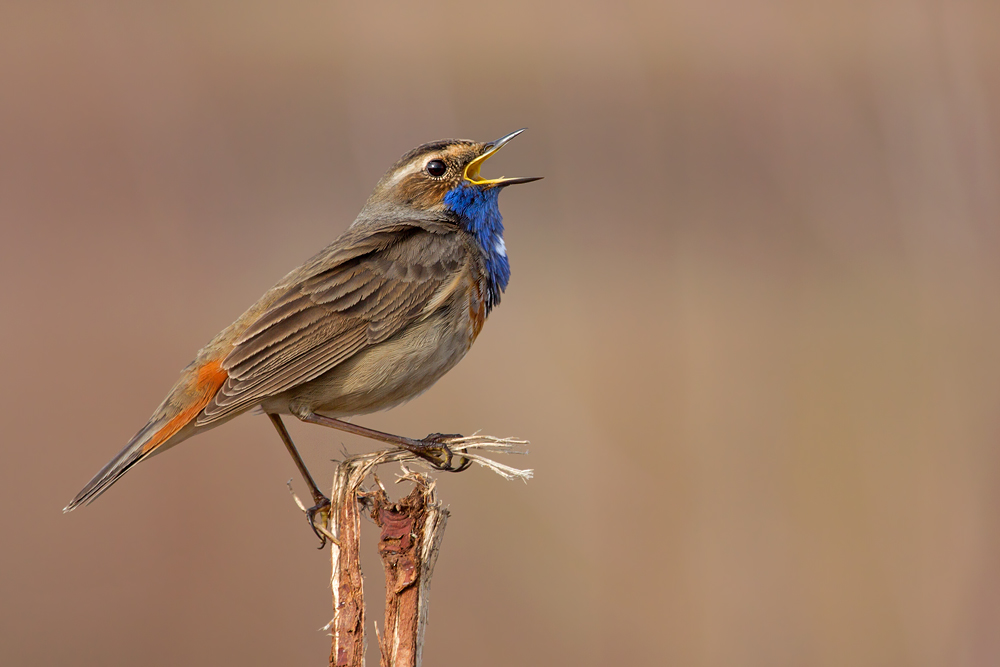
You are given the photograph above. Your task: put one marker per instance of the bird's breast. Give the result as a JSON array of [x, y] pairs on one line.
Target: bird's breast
[[406, 364]]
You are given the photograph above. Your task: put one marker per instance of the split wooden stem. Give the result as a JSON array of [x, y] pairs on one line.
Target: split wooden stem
[[412, 530]]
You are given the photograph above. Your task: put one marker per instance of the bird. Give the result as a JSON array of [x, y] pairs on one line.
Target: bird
[[371, 321]]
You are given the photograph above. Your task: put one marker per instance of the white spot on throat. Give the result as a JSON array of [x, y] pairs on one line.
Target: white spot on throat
[[501, 248]]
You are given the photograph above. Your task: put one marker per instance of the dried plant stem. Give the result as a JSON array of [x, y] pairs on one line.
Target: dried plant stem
[[348, 624], [412, 530]]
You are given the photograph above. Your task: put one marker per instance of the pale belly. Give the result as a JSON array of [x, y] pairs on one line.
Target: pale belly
[[387, 374]]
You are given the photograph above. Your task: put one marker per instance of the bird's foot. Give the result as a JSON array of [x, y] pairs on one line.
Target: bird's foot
[[435, 450], [322, 509]]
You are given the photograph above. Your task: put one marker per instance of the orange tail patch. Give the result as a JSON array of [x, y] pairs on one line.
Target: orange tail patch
[[206, 383]]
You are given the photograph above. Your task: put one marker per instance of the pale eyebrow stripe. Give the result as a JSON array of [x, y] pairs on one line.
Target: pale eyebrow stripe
[[403, 173]]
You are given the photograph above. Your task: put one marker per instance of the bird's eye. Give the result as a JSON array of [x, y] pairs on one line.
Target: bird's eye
[[436, 168]]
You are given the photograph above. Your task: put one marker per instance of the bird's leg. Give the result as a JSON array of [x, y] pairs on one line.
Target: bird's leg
[[433, 449], [322, 506]]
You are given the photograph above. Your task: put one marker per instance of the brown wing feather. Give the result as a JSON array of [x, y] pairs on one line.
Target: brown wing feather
[[342, 305]]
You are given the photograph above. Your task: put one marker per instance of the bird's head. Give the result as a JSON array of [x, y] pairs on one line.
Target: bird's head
[[440, 182], [438, 177]]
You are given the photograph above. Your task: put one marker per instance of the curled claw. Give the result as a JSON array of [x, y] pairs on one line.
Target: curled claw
[[445, 456], [322, 507], [464, 465]]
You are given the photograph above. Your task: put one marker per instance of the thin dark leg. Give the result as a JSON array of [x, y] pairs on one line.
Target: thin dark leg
[[434, 448], [287, 439], [322, 502]]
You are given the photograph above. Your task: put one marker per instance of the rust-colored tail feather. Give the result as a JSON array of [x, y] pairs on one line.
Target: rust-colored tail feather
[[195, 389]]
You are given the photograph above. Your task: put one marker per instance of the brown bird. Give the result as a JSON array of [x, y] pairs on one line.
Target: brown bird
[[373, 320]]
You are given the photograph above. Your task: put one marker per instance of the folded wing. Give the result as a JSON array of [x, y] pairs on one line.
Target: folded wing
[[352, 299]]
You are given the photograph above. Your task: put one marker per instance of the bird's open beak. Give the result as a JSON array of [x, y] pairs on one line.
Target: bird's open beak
[[472, 169]]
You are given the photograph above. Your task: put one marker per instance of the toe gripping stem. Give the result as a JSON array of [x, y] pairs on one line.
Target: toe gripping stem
[[435, 450], [322, 508]]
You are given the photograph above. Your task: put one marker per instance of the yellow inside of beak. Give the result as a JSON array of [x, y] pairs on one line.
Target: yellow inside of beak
[[472, 169]]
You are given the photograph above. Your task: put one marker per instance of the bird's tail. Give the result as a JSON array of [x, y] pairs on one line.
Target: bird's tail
[[197, 386], [109, 474]]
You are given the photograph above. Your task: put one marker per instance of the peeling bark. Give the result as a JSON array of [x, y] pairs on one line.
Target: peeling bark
[[412, 530], [411, 537]]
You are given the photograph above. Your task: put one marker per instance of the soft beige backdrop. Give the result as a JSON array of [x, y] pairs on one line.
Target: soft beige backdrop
[[752, 330]]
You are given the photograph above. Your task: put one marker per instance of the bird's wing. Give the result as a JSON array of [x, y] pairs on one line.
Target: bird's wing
[[347, 300]]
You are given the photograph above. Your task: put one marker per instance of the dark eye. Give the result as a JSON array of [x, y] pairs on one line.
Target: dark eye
[[436, 168]]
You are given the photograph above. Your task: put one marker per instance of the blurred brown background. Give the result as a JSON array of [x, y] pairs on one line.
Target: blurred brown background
[[752, 330]]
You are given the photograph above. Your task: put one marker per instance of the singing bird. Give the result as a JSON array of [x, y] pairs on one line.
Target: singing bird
[[374, 319]]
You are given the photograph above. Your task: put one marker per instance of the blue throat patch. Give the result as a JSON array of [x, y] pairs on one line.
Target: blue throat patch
[[480, 214]]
